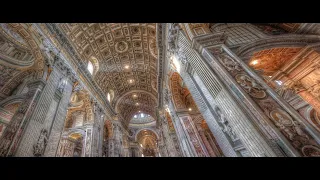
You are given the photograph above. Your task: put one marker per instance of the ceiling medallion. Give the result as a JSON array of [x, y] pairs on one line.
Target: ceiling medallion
[[121, 46]]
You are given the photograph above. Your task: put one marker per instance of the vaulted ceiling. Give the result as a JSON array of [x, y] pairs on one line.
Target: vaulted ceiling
[[126, 55], [135, 102]]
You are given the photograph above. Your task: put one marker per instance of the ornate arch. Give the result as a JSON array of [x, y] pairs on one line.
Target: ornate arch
[[136, 101], [289, 40], [27, 32], [14, 55], [146, 129], [16, 80], [116, 103], [147, 137]]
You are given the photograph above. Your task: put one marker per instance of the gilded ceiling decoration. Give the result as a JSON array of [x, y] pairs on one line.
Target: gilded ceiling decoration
[[134, 103], [271, 60], [126, 53], [12, 35]]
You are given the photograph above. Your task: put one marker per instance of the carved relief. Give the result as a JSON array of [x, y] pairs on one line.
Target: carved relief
[[225, 125], [292, 129], [172, 37], [250, 86], [230, 64]]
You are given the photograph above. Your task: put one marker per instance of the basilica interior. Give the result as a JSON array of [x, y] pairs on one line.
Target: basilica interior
[[159, 90]]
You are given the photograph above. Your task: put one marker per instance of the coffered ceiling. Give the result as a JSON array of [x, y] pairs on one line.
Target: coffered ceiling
[[126, 55]]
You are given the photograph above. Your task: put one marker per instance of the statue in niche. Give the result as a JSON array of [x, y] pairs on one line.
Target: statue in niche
[[61, 85], [226, 126], [39, 147]]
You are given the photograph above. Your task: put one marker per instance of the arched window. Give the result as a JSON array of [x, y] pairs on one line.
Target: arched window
[[108, 97], [90, 67], [278, 82]]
